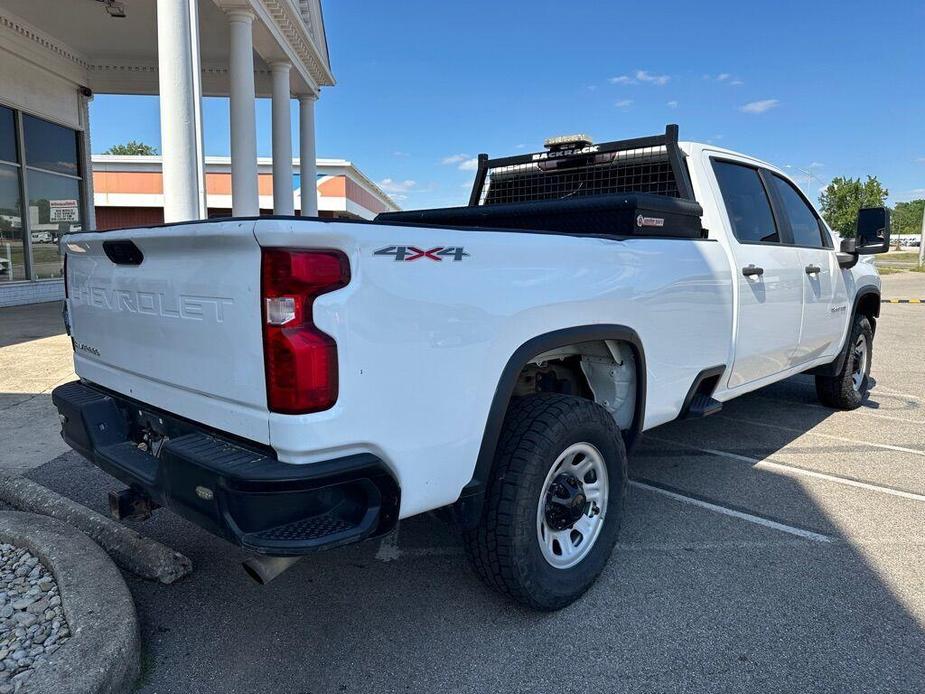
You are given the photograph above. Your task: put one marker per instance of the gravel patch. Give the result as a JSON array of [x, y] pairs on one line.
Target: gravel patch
[[32, 623]]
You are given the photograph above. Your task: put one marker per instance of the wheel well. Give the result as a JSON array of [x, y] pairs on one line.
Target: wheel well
[[603, 371], [559, 345], [869, 305]]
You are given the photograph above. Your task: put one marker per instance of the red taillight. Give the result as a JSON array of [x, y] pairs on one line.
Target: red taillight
[[301, 361]]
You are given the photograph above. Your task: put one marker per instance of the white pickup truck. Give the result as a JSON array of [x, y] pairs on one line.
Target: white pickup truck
[[294, 384]]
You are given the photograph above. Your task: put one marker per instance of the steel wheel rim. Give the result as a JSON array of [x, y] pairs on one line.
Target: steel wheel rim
[[564, 548], [860, 363]]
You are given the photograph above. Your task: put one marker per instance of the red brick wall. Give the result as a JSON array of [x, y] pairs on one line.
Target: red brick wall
[[119, 217]]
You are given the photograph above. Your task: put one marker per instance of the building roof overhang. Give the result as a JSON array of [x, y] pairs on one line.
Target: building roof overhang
[[80, 41]]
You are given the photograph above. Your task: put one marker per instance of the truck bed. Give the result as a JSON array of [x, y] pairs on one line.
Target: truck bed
[[620, 216]]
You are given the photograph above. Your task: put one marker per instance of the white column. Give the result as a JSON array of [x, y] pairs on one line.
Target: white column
[[89, 219], [197, 108], [282, 141], [307, 155], [244, 200], [179, 96]]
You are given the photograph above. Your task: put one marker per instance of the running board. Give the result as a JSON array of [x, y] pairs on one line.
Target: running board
[[700, 402], [702, 406]]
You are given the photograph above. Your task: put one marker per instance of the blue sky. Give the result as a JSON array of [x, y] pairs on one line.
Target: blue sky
[[833, 88]]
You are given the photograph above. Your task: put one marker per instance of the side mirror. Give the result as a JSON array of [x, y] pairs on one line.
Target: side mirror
[[873, 231]]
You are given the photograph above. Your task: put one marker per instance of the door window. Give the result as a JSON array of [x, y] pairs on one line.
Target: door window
[[746, 203], [803, 221]]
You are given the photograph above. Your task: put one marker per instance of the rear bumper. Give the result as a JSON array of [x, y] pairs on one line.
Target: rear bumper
[[239, 492]]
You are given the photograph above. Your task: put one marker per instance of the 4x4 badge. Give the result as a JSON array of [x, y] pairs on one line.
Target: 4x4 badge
[[438, 253]]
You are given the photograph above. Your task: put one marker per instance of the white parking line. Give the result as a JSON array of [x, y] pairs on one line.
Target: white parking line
[[885, 446], [860, 410], [741, 515], [794, 469], [388, 547], [390, 551], [886, 391]]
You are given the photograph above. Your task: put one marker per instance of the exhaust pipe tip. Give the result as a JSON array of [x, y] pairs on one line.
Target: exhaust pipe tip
[[264, 569]]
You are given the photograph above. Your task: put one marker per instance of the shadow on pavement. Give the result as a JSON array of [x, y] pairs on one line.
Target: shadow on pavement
[[30, 322], [692, 601]]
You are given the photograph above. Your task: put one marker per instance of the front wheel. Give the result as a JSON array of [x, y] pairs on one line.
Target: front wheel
[[847, 389], [554, 503]]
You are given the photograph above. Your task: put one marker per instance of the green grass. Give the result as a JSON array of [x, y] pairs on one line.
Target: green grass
[[902, 257], [888, 270]]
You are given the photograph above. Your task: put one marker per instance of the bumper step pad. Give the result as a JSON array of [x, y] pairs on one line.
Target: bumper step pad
[[238, 491]]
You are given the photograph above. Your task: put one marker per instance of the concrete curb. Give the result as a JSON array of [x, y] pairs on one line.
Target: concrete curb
[[103, 653], [142, 556]]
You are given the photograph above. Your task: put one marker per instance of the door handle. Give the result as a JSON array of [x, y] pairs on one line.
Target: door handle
[[752, 270], [813, 269]]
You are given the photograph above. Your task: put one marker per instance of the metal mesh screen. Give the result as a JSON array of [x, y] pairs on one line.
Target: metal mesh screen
[[642, 170]]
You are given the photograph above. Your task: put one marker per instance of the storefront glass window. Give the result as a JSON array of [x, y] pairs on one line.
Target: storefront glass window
[[12, 259], [7, 135], [54, 209], [49, 146], [54, 187]]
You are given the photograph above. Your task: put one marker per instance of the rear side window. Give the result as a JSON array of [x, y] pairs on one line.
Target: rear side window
[[803, 221], [746, 203]]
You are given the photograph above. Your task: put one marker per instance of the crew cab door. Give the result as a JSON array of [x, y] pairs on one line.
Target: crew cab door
[[825, 298], [769, 274]]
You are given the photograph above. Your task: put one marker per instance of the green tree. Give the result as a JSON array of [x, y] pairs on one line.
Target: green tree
[[132, 148], [907, 217], [843, 197]]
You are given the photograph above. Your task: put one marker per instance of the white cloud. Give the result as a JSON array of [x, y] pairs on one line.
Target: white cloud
[[725, 78], [399, 153], [592, 87], [672, 104], [759, 106], [658, 80], [392, 186], [815, 165], [623, 103], [641, 76], [454, 158], [520, 146], [921, 160], [469, 164]]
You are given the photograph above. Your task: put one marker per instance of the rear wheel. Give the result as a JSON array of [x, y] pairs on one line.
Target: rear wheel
[[847, 389], [554, 502]]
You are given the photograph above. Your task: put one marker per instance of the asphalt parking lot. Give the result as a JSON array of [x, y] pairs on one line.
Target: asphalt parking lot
[[777, 546]]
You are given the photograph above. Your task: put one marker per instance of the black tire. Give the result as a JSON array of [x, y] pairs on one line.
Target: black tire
[[841, 390], [504, 548]]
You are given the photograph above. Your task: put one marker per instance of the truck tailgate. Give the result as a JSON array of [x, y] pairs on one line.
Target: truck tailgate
[[177, 323]]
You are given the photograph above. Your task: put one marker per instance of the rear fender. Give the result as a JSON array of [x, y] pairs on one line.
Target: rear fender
[[468, 509]]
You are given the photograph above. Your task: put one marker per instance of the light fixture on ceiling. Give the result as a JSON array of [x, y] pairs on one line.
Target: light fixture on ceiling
[[114, 8]]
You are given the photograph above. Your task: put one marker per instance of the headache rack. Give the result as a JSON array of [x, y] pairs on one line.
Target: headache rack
[[627, 188], [653, 165]]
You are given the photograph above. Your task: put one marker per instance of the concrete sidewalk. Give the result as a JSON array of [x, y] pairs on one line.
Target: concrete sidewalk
[[35, 356]]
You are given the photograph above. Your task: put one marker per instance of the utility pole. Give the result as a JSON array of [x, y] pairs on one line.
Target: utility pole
[[922, 241]]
